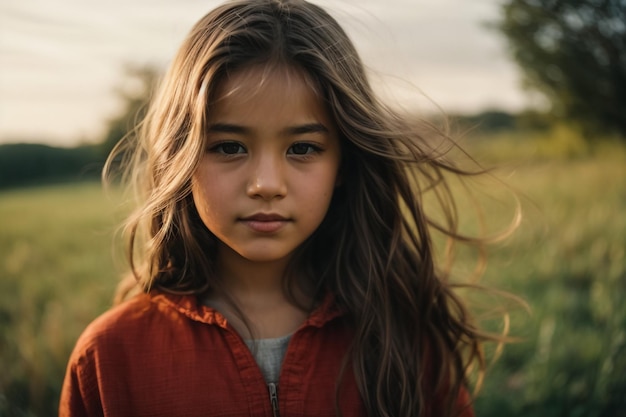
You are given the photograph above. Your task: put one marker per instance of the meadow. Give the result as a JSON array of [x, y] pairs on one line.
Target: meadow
[[58, 271]]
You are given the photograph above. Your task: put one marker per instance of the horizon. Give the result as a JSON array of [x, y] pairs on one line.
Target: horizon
[[64, 62]]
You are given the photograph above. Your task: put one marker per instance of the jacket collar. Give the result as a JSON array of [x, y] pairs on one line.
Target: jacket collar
[[190, 306]]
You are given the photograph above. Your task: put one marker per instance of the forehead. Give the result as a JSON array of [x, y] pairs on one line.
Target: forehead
[[263, 73], [262, 90]]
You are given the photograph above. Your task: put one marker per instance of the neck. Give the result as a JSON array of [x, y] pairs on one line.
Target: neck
[[251, 282], [257, 290]]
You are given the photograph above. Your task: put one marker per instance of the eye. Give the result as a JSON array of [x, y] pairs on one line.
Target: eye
[[303, 148], [228, 148]]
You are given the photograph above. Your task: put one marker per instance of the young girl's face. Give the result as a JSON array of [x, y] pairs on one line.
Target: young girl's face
[[270, 165]]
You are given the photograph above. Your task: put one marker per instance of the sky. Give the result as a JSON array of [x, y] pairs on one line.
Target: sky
[[62, 62]]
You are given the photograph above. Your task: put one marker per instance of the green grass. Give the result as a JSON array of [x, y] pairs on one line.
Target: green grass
[[57, 274], [567, 260]]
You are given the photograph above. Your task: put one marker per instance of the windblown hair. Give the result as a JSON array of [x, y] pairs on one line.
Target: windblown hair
[[414, 339]]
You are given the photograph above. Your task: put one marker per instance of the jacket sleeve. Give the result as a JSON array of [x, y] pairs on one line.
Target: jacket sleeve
[[80, 394]]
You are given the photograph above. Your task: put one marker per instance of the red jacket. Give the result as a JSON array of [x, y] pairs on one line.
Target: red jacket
[[164, 355]]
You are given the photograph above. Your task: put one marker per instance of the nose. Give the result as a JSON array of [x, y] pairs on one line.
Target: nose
[[267, 180]]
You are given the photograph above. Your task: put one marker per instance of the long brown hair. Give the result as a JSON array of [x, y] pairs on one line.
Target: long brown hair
[[414, 339]]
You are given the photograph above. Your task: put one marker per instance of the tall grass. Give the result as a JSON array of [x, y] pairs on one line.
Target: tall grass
[[57, 273], [567, 260]]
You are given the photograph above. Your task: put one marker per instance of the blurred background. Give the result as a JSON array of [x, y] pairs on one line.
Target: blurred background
[[534, 88]]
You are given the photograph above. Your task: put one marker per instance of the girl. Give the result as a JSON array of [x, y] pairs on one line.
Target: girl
[[281, 250]]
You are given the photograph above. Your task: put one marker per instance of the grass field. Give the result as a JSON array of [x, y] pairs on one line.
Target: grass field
[[57, 275], [568, 260]]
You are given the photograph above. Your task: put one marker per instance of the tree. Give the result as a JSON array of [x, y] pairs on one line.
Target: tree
[[135, 102], [574, 52]]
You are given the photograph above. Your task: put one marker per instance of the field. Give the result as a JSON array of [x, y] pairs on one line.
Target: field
[[58, 271]]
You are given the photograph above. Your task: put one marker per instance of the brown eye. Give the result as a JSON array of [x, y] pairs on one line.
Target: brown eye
[[228, 148], [302, 148]]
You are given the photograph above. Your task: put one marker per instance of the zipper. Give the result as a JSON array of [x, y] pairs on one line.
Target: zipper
[[274, 398]]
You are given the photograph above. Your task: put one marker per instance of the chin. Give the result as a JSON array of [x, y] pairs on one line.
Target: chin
[[265, 256], [264, 259]]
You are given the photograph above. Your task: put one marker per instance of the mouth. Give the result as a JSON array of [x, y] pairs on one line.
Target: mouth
[[265, 222], [265, 217]]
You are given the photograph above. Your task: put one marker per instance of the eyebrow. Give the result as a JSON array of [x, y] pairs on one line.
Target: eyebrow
[[295, 130], [308, 128], [227, 128]]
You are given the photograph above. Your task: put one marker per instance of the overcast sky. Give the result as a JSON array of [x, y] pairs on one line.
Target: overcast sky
[[61, 60]]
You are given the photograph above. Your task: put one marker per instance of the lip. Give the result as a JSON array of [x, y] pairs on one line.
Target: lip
[[265, 217], [265, 222]]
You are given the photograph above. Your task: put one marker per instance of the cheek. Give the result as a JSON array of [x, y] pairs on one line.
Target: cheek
[[319, 192], [202, 192]]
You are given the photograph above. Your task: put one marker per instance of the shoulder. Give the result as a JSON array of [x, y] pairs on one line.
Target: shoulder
[[144, 321], [135, 344], [119, 320], [95, 351]]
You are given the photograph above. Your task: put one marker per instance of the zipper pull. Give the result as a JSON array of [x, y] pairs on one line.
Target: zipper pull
[[274, 398]]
